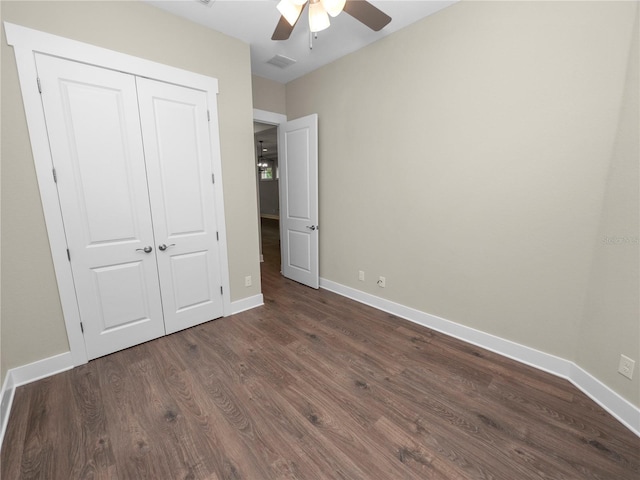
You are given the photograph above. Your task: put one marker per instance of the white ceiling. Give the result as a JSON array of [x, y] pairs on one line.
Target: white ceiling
[[254, 21]]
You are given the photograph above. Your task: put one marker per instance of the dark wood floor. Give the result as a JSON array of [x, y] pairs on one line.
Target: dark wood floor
[[310, 386]]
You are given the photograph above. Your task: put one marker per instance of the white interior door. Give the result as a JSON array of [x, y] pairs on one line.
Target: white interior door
[[179, 167], [299, 200], [95, 142]]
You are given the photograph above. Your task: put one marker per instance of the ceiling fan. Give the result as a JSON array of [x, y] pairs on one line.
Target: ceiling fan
[[319, 11]]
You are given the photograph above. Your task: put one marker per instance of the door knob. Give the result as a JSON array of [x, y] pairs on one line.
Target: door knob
[[312, 227], [146, 249], [163, 247]]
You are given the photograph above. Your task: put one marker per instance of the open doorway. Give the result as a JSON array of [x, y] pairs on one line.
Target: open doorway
[[267, 179]]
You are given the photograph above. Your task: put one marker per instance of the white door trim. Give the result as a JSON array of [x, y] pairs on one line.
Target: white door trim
[[270, 118], [26, 42]]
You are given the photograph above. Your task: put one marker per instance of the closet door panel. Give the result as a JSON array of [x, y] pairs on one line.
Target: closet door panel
[[191, 280], [177, 148], [96, 147]]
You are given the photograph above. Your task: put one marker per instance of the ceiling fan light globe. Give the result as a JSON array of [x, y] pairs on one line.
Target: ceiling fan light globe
[[289, 11], [333, 7], [318, 18]]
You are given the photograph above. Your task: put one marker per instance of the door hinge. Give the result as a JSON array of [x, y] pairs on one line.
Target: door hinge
[[221, 292], [208, 116], [39, 85], [81, 327], [217, 236], [68, 254], [213, 178], [55, 175]]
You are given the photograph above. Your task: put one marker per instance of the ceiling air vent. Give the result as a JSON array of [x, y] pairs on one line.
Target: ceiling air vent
[[207, 3], [281, 61]]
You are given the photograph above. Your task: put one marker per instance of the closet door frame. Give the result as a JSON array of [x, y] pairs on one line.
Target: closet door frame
[[26, 42]]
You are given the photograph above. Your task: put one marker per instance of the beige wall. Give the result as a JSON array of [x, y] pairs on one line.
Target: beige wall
[[268, 95], [465, 159], [611, 324], [32, 323]]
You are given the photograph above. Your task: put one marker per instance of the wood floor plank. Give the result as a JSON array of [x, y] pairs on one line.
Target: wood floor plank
[[10, 465], [311, 386], [134, 447], [267, 410], [38, 459], [91, 455]]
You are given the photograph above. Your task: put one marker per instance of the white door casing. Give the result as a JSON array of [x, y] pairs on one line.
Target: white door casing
[[299, 200], [95, 141], [177, 150]]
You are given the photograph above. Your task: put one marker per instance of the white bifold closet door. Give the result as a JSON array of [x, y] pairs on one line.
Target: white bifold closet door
[[132, 160]]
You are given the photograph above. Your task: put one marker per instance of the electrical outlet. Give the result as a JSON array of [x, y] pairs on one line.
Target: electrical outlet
[[247, 281], [361, 275], [382, 282], [626, 366]]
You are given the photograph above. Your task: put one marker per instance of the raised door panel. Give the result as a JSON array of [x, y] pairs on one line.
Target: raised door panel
[[179, 164], [95, 141]]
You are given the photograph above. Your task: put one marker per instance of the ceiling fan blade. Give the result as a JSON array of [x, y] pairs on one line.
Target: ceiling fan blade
[[283, 30], [371, 16]]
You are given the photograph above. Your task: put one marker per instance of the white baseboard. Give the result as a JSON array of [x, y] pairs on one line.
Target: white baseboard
[[246, 304], [42, 369], [31, 372], [625, 412]]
